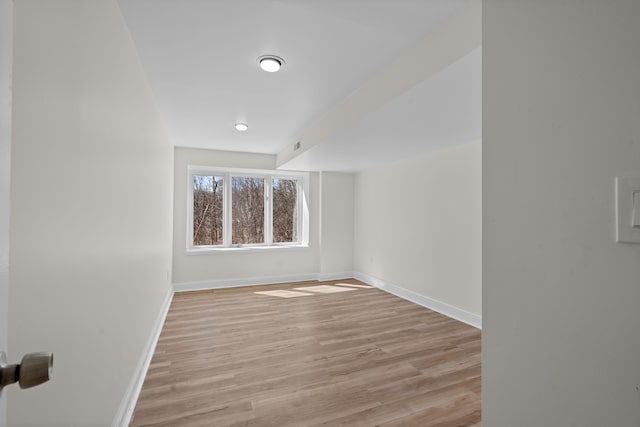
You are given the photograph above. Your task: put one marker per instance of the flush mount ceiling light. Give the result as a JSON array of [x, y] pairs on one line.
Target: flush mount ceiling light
[[270, 63], [241, 127]]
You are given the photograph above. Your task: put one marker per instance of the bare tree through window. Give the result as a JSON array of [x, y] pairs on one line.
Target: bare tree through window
[[208, 201], [285, 210], [230, 209], [247, 210]]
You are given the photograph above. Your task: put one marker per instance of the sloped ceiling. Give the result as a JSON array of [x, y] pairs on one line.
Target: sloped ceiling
[[200, 57]]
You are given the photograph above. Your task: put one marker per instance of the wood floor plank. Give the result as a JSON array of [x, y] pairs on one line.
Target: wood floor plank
[[346, 355]]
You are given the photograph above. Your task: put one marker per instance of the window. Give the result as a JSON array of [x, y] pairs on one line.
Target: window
[[247, 212], [246, 208], [285, 210], [207, 210]]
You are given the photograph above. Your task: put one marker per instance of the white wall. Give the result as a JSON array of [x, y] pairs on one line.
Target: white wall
[[227, 266], [330, 229], [91, 209], [336, 222], [6, 49], [561, 110], [418, 225]]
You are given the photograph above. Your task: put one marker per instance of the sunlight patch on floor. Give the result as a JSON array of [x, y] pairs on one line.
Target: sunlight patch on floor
[[350, 285], [284, 293], [313, 290], [325, 289]]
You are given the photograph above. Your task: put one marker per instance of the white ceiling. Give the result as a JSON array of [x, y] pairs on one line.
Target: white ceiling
[[200, 59], [439, 112]]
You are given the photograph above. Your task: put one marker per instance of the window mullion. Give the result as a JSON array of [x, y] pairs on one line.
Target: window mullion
[[190, 210], [227, 220], [246, 204], [299, 207], [268, 210]]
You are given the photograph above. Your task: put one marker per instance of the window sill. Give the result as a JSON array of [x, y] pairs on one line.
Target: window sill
[[244, 249]]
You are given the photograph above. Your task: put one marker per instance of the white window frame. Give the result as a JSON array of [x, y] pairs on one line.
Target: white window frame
[[228, 174]]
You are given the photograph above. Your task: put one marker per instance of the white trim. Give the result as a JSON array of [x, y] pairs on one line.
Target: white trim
[[212, 250], [430, 303], [268, 211], [302, 179], [128, 404], [325, 277], [247, 281], [264, 280]]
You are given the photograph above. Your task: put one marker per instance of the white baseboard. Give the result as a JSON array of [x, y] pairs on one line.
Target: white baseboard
[[128, 404], [325, 277], [430, 303], [125, 412], [250, 281]]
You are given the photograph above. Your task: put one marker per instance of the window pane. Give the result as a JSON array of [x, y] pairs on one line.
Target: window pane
[[247, 210], [207, 210], [285, 210]]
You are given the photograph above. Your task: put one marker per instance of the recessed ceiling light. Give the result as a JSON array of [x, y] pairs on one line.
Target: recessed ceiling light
[[270, 63], [241, 127]]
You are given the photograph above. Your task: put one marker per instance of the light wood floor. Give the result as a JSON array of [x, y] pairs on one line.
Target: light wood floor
[[360, 357]]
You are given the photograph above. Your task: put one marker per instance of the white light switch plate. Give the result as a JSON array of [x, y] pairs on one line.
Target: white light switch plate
[[627, 209]]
